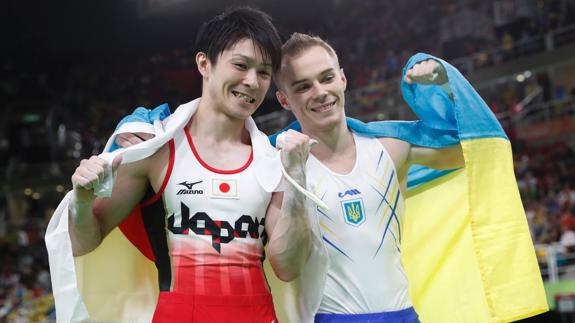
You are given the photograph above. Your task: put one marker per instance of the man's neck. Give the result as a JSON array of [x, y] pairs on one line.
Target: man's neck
[[212, 125], [332, 143]]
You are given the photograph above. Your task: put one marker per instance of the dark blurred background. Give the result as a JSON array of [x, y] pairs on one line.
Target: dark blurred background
[[69, 70]]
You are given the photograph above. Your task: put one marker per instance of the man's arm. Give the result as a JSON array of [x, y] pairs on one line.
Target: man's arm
[[126, 140], [91, 218], [437, 158], [403, 155], [287, 221], [431, 72]]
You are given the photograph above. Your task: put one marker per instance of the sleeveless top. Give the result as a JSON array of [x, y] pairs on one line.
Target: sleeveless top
[[206, 226], [362, 232]]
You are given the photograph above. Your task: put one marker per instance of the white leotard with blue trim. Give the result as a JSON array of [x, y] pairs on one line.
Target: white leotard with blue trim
[[362, 232]]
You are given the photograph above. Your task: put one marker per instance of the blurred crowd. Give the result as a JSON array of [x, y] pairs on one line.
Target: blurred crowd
[[546, 180], [381, 44], [56, 114], [25, 292]]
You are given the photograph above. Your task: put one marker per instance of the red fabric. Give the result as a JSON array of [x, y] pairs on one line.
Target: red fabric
[[133, 228], [200, 270], [184, 308]]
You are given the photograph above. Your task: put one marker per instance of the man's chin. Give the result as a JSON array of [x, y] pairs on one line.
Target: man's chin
[[325, 124]]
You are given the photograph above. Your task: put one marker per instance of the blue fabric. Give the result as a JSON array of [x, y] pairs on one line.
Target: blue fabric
[[404, 316], [142, 114], [468, 114]]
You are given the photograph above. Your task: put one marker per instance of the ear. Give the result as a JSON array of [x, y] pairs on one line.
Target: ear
[[282, 99], [203, 64], [343, 78]]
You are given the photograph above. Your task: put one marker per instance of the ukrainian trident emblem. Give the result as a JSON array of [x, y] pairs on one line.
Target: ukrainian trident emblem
[[353, 212]]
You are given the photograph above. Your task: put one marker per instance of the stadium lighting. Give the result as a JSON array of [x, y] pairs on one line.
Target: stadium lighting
[[520, 78]]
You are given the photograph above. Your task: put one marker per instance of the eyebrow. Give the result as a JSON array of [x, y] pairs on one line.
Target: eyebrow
[[327, 70], [251, 59]]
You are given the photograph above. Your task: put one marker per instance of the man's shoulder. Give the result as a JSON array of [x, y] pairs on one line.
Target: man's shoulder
[[158, 159], [391, 141], [397, 149]]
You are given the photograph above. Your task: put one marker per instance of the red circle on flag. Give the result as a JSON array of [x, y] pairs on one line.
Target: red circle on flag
[[225, 187]]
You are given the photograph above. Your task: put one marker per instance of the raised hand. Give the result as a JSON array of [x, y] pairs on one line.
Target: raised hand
[[89, 174], [295, 147], [426, 72]]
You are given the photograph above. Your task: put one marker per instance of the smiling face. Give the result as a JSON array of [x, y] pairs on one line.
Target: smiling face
[[312, 85], [237, 84]]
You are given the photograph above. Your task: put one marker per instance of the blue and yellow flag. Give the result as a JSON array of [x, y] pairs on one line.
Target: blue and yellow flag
[[467, 249]]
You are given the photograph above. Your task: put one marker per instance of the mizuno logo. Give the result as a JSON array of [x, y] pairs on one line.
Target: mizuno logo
[[189, 188], [349, 192], [189, 185]]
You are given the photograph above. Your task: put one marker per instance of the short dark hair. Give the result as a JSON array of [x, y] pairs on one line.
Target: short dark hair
[[228, 28]]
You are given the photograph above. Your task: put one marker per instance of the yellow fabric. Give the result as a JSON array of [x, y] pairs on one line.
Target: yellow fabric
[[117, 282], [467, 249], [278, 289]]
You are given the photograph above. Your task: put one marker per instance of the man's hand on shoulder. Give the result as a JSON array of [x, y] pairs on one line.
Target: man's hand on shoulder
[[128, 139], [428, 72]]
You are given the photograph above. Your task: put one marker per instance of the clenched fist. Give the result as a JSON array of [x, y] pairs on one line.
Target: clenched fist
[[427, 72], [89, 174], [295, 147]]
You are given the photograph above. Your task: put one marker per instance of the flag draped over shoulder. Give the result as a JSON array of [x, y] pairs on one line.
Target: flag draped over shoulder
[[466, 249], [118, 281]]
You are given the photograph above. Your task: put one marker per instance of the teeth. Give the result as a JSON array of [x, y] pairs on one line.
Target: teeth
[[324, 108], [246, 98]]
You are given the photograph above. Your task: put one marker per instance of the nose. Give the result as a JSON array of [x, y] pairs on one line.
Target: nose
[[319, 92], [251, 79]]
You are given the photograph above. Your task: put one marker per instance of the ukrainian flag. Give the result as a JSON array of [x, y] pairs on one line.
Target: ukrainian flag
[[467, 249]]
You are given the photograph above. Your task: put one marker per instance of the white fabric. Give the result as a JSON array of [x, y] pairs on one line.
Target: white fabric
[[300, 298], [69, 304], [68, 301], [362, 233]]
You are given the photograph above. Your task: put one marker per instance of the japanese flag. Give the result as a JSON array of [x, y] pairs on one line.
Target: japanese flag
[[224, 188]]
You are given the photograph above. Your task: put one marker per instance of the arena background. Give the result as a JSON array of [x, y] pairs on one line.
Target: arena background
[[70, 69]]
